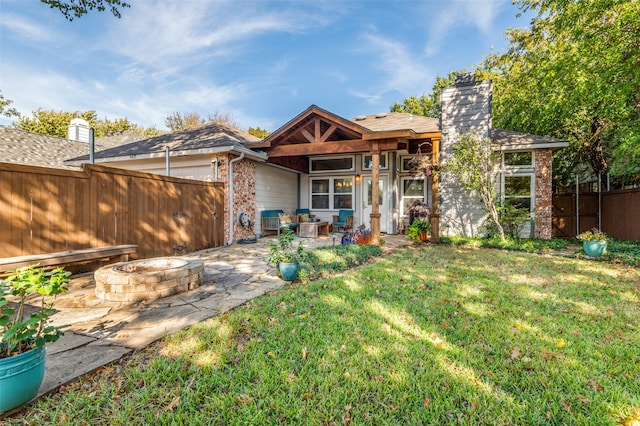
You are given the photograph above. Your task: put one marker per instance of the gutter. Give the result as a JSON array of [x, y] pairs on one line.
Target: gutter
[[232, 215]]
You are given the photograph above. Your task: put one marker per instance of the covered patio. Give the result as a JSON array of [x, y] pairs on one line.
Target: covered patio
[[317, 133]]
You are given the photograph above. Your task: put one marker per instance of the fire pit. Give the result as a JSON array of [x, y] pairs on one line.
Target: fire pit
[[148, 279]]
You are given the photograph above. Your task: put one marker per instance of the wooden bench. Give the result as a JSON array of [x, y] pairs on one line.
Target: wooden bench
[[68, 257]]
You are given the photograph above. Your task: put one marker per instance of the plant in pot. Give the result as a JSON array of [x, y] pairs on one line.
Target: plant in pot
[[419, 229], [23, 335], [362, 234], [285, 257], [594, 242]]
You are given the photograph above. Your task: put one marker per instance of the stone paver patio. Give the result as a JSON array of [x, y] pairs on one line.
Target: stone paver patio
[[101, 332]]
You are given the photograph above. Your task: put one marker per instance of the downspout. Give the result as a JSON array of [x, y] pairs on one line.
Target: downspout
[[231, 213], [215, 161]]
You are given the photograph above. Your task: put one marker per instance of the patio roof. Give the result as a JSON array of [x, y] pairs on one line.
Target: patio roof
[[509, 140], [317, 131]]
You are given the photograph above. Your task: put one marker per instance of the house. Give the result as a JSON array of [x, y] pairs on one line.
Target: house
[[324, 162]]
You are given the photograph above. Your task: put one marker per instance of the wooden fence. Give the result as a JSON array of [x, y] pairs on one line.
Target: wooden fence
[[47, 210], [620, 212]]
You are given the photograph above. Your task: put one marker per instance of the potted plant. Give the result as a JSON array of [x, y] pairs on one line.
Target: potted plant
[[594, 242], [419, 229], [362, 235], [285, 257], [23, 335], [347, 237], [418, 210]]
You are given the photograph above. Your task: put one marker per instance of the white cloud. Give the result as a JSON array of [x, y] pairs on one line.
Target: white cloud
[[442, 21], [25, 28]]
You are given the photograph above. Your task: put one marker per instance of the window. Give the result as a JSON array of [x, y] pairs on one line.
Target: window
[[518, 159], [367, 161], [519, 188], [331, 164], [332, 193], [412, 190]]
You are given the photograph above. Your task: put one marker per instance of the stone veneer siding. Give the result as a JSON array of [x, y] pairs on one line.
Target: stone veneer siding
[[244, 194], [543, 195]]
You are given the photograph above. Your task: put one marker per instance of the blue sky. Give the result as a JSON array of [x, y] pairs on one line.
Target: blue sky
[[263, 62]]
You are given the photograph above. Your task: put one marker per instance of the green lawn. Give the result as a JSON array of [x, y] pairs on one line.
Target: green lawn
[[429, 335]]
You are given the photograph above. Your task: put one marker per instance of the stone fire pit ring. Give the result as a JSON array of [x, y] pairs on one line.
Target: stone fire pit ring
[[148, 279]]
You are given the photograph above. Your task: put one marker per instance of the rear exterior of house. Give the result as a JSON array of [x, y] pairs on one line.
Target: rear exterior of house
[[321, 161]]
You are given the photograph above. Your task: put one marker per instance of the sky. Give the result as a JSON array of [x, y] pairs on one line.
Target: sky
[[262, 62]]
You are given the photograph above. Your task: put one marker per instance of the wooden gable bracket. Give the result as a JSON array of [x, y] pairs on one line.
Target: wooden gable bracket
[[318, 136]]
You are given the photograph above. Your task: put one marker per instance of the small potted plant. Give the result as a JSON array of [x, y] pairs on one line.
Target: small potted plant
[[362, 235], [347, 236], [285, 257], [594, 242], [23, 336], [419, 229]]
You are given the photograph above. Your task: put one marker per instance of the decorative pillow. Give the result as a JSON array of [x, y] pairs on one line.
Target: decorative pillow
[[285, 219], [304, 217]]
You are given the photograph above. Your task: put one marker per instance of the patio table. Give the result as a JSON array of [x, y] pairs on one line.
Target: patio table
[[312, 229]]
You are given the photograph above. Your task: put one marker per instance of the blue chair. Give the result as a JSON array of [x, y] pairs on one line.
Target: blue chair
[[343, 220]]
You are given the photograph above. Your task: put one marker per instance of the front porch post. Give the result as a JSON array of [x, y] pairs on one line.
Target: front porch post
[[435, 214], [375, 194]]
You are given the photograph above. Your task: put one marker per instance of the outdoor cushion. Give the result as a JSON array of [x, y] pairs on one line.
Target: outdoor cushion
[[271, 221], [285, 219], [303, 217]]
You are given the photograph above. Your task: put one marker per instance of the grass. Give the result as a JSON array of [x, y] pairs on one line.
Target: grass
[[428, 335]]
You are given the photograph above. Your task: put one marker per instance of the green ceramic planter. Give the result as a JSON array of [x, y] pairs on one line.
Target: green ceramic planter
[[288, 271], [20, 378], [594, 248]]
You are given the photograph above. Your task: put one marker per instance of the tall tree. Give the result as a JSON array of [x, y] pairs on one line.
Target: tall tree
[[574, 74], [71, 9]]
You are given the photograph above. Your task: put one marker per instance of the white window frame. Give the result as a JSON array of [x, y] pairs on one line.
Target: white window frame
[[532, 186], [519, 167], [331, 193], [382, 155], [336, 157], [412, 197]]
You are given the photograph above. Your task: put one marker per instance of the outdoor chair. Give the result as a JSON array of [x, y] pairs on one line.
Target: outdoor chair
[[343, 220], [300, 215]]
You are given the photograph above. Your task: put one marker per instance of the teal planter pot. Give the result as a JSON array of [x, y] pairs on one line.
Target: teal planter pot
[[594, 248], [20, 378], [288, 271]]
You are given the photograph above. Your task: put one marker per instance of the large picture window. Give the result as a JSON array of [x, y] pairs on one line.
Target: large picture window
[[332, 193]]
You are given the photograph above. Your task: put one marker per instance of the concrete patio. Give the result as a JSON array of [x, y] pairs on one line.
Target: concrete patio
[[101, 332]]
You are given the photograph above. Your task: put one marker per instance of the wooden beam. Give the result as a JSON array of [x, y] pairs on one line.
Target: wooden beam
[[317, 130], [328, 133], [341, 147], [308, 136]]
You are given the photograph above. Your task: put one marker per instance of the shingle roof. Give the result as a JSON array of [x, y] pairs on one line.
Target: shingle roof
[[208, 138], [398, 121], [19, 146], [512, 140]]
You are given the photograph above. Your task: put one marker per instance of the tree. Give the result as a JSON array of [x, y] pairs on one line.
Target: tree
[[56, 123], [191, 120], [475, 164], [582, 58], [426, 105], [5, 109], [71, 9], [258, 132]]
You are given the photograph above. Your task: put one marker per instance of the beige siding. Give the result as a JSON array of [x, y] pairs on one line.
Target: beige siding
[[275, 189]]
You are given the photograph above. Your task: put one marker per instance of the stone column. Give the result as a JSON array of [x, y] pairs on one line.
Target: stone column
[[543, 194]]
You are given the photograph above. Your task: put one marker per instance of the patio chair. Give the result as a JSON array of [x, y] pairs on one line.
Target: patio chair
[[343, 220], [301, 212]]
